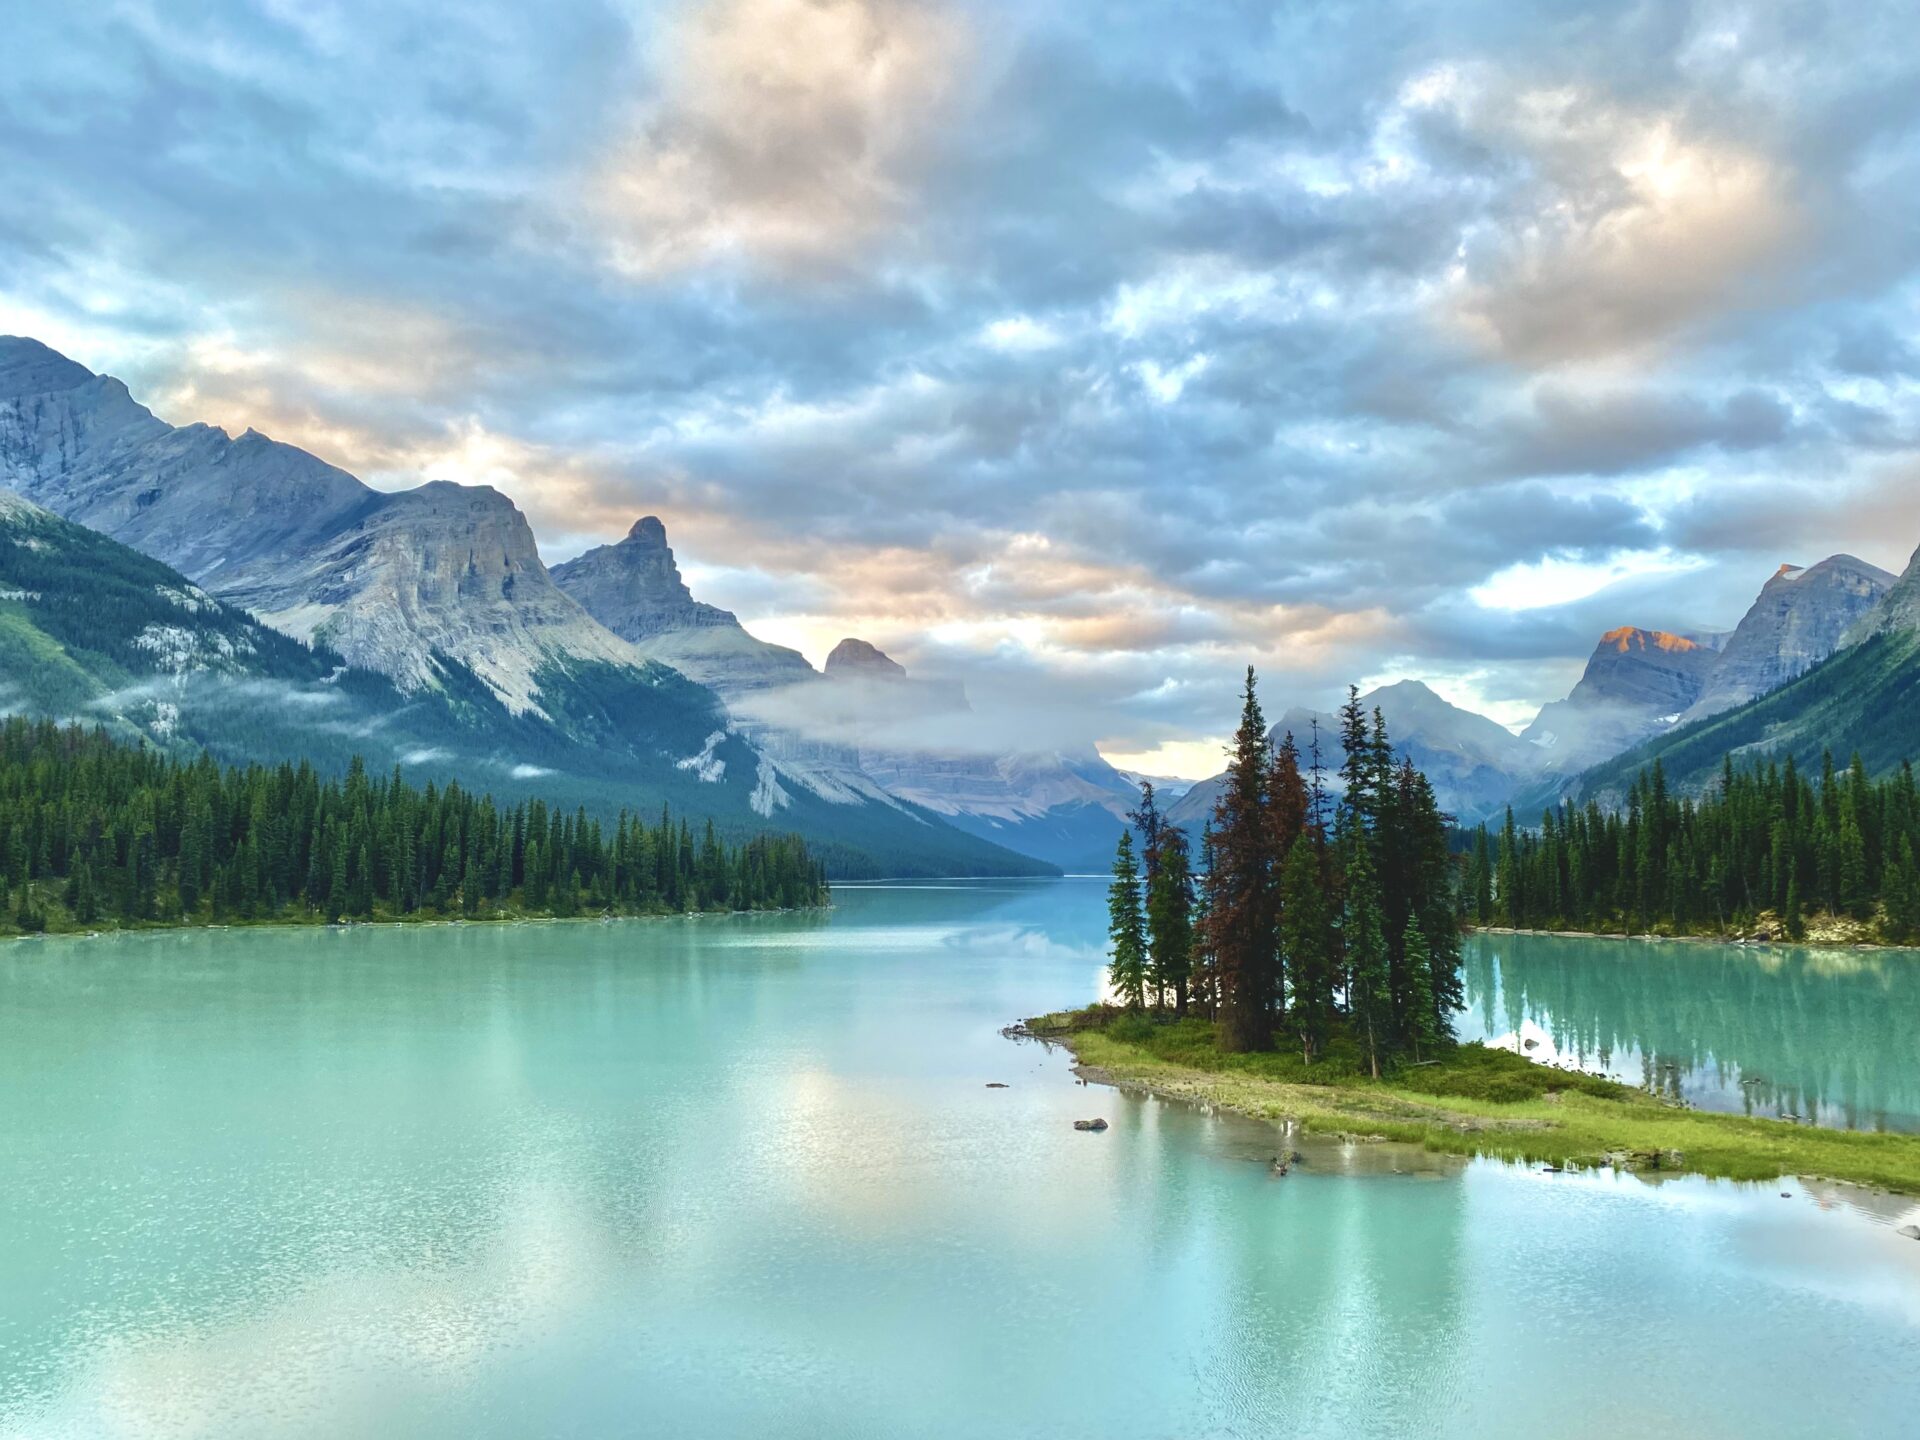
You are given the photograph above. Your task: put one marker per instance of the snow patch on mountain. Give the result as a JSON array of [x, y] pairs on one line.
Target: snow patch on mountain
[[705, 765]]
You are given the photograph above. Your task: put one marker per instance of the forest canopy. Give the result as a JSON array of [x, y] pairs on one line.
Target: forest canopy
[[95, 832]]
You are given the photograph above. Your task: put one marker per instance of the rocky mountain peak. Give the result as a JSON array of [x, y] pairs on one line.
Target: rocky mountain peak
[[1631, 639], [1800, 618], [28, 367], [649, 532], [1897, 610], [634, 587], [857, 657], [1636, 682]]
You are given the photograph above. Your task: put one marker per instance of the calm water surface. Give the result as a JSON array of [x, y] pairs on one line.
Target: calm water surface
[[1819, 1036], [744, 1177]]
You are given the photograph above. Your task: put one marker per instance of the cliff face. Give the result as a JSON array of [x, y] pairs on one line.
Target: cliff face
[[1898, 610], [1636, 684], [219, 510], [1801, 617], [634, 588], [442, 570], [389, 580]]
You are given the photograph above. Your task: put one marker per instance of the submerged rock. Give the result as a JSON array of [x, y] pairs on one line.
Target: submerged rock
[[1090, 1124]]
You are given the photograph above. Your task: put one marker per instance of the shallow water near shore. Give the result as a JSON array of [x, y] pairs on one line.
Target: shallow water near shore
[[1828, 1037], [722, 1176]]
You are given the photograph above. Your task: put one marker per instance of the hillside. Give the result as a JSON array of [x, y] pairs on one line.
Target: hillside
[[92, 630], [1862, 700]]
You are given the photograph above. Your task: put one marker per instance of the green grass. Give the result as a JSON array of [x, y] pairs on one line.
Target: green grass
[[1473, 1101]]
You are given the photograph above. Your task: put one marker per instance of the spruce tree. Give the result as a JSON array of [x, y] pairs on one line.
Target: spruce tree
[[1127, 973], [1363, 931], [1240, 938], [1424, 1031], [1306, 940], [1170, 919]]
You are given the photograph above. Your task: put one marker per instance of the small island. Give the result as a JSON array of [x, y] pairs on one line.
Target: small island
[[1309, 971]]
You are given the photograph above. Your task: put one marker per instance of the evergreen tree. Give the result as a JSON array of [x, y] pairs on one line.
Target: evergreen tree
[[1127, 974], [1363, 929], [1424, 1030], [1170, 917], [133, 837], [1240, 939], [1306, 939]]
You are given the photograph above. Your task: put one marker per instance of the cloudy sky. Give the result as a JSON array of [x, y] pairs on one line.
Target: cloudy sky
[[1085, 352]]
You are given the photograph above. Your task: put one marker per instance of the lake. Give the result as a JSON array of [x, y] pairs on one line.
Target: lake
[[744, 1176]]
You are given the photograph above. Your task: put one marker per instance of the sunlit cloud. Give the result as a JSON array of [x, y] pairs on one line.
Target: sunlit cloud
[[786, 132], [1059, 350], [1631, 227], [1557, 580]]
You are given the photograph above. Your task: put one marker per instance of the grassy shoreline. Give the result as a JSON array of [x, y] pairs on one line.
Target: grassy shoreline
[[1473, 1101], [1848, 937], [397, 922]]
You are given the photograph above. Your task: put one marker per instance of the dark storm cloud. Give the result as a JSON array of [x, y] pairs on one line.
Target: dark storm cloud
[[1097, 347]]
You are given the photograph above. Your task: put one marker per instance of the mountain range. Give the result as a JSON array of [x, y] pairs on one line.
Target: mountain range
[[242, 596], [857, 727], [1861, 699], [432, 606], [1686, 698]]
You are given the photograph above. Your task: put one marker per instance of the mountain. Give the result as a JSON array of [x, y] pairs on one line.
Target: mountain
[[1799, 620], [1861, 700], [1635, 685], [635, 590], [1060, 809], [1168, 787], [486, 668], [219, 510], [1067, 808], [1896, 614], [95, 632], [398, 583], [1475, 763]]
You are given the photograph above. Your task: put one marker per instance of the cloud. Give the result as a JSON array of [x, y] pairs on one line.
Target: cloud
[[786, 132], [1078, 351], [1627, 228]]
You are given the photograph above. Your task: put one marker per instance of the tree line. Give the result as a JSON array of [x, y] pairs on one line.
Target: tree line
[[1767, 844], [1307, 918], [94, 831]]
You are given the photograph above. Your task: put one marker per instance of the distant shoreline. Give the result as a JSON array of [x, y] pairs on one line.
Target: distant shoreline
[[1742, 941], [423, 923]]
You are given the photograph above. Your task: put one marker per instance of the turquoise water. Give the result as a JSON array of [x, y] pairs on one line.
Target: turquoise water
[[1818, 1036], [729, 1177]]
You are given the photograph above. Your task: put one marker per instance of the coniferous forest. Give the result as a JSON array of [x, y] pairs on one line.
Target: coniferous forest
[[1308, 920], [1765, 851], [94, 833]]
